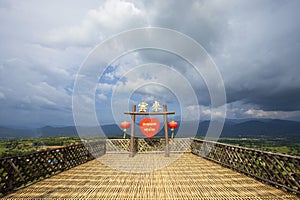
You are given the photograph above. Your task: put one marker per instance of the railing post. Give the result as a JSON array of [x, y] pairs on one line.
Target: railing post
[[132, 132], [167, 152]]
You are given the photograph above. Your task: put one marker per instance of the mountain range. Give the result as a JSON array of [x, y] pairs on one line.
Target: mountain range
[[232, 128]]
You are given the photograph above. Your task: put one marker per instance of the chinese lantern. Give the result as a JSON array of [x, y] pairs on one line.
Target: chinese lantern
[[125, 125], [172, 125]]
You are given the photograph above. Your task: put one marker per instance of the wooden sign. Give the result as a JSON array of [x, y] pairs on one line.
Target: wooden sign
[[149, 126]]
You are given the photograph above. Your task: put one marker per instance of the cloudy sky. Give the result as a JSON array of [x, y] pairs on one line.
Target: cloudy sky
[[255, 45]]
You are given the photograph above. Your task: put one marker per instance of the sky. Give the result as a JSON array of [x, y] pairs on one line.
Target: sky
[[254, 44]]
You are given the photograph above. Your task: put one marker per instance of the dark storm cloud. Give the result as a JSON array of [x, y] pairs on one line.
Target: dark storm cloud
[[255, 44], [260, 59]]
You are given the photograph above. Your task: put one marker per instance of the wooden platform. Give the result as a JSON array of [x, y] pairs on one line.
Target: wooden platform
[[183, 177]]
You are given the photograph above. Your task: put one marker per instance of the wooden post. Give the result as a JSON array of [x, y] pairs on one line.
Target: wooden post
[[167, 153], [132, 132]]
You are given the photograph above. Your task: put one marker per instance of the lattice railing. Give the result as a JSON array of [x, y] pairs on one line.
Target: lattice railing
[[117, 145], [143, 145], [22, 170], [276, 169], [180, 144]]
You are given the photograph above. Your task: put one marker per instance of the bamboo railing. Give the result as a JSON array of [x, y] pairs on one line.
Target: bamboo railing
[[279, 170], [148, 145], [18, 171]]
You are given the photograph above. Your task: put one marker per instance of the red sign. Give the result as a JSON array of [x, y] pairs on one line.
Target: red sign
[[149, 126]]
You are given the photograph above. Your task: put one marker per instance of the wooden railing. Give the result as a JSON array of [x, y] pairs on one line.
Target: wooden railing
[[148, 145], [18, 171], [276, 169]]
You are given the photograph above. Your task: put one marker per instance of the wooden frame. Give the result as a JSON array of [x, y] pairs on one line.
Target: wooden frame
[[165, 113]]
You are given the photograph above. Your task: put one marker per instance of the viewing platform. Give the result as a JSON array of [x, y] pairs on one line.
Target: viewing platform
[[196, 169]]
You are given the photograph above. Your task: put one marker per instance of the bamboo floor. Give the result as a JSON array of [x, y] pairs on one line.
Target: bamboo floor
[[183, 177]]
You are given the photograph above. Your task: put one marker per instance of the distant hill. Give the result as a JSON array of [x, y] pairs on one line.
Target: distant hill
[[232, 128], [255, 128], [47, 131]]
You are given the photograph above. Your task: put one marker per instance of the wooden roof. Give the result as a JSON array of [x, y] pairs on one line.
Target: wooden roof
[[188, 177]]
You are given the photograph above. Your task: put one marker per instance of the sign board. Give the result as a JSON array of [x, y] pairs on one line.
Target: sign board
[[149, 126]]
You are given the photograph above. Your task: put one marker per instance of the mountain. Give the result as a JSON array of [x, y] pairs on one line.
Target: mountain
[[256, 128], [232, 128], [47, 131]]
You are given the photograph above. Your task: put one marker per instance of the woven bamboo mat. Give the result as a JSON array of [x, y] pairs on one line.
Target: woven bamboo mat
[[188, 177], [140, 163]]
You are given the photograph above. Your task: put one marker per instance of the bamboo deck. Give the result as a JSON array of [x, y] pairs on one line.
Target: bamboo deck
[[183, 177]]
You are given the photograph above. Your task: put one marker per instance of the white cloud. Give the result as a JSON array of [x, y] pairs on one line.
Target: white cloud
[[115, 13], [191, 113], [105, 87], [102, 97], [109, 76], [199, 112], [271, 114], [153, 80], [43, 101], [111, 17], [87, 100], [34, 87]]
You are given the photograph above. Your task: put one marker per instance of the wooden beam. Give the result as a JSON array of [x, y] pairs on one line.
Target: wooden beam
[[167, 153], [150, 113], [131, 154]]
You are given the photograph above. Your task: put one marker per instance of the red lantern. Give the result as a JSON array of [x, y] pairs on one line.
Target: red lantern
[[125, 125], [172, 125]]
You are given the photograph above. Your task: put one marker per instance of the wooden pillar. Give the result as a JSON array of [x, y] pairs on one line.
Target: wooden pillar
[[131, 154], [167, 153]]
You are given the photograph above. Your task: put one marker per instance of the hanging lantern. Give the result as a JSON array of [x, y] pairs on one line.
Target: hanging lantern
[[125, 125], [172, 125]]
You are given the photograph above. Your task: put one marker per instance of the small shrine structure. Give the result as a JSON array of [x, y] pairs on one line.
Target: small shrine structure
[[143, 111]]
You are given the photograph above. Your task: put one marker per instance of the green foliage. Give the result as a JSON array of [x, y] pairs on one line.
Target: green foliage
[[290, 146], [24, 146]]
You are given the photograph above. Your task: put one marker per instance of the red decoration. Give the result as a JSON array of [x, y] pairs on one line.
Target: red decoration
[[172, 125], [125, 125], [149, 126]]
